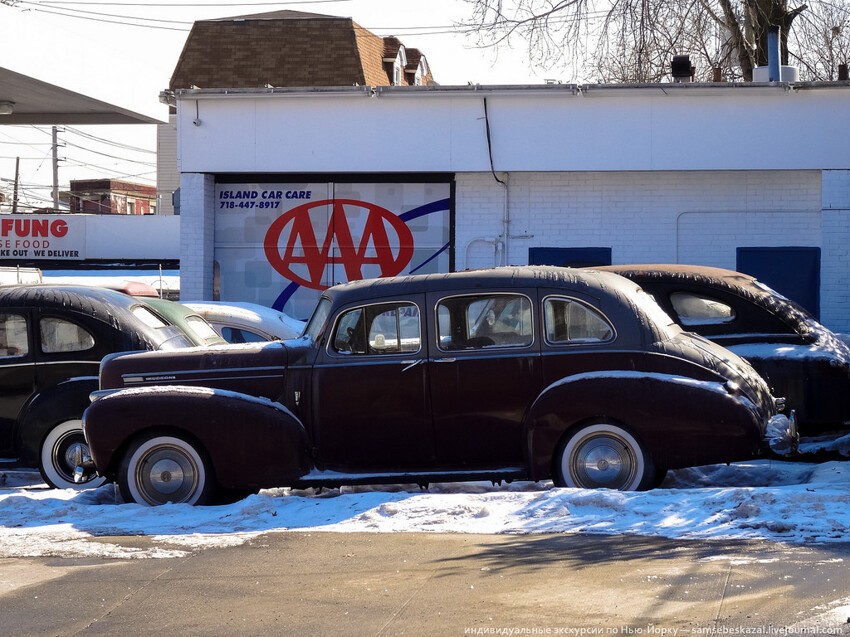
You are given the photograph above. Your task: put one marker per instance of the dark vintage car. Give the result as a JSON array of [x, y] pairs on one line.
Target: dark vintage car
[[52, 339], [800, 359], [512, 373]]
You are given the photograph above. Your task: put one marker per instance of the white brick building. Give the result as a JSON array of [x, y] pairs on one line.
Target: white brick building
[[714, 174]]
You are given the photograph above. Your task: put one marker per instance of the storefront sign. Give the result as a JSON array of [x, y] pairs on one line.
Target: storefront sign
[[281, 244], [41, 237]]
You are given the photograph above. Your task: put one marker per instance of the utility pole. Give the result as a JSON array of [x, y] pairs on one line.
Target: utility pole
[[15, 189], [55, 170]]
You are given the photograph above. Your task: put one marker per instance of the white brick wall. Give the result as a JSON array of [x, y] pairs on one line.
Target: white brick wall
[[197, 225], [835, 257], [167, 172], [644, 217], [663, 217]]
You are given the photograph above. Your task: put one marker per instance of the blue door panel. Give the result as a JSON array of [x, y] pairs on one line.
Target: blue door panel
[[794, 272]]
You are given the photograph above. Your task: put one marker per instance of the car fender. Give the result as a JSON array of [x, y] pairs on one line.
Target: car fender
[[64, 401], [680, 421], [251, 442]]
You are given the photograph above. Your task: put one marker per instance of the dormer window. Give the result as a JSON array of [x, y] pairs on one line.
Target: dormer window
[[398, 66], [421, 72]]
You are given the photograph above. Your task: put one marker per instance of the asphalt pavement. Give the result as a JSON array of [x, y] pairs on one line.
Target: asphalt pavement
[[335, 584]]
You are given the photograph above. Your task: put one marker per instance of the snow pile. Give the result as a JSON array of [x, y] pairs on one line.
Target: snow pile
[[769, 500]]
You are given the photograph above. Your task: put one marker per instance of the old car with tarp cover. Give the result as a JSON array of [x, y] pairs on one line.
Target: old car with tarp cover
[[512, 373]]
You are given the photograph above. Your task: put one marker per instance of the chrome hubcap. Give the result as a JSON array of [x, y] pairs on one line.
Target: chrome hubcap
[[603, 461], [166, 474]]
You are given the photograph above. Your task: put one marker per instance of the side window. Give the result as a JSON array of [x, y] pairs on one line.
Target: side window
[[59, 335], [13, 335], [240, 335], [694, 309], [569, 321], [389, 328], [483, 321]]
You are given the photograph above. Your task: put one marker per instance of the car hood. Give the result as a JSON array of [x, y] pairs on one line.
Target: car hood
[[257, 369]]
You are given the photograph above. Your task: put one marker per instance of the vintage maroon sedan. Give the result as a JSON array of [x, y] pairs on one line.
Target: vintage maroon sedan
[[513, 373]]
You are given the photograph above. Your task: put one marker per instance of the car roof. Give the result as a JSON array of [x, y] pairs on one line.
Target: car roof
[[737, 283], [78, 297], [248, 315], [600, 283], [107, 306], [179, 315]]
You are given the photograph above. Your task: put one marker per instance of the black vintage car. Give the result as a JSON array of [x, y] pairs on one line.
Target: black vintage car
[[513, 373], [800, 359], [52, 339]]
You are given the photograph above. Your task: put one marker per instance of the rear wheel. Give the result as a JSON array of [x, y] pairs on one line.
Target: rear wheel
[[62, 450], [161, 469], [604, 456]]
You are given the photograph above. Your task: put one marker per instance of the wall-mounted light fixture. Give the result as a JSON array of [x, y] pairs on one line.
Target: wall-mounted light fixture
[[6, 107]]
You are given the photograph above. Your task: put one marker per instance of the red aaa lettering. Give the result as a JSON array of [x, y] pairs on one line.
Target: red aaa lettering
[[303, 248]]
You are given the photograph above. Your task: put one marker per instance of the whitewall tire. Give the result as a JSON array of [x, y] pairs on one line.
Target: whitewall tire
[[62, 450]]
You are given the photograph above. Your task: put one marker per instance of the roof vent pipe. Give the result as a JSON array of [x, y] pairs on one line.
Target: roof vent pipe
[[773, 54], [681, 69]]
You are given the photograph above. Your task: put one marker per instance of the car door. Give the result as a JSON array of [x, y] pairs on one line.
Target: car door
[[484, 373], [17, 372], [370, 404], [68, 346]]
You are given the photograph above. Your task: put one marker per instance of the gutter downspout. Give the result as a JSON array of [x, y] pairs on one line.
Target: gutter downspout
[[506, 213]]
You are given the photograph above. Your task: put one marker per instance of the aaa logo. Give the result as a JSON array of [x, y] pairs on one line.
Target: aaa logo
[[385, 241]]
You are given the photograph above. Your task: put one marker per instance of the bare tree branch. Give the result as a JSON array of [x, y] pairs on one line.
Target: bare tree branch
[[635, 40]]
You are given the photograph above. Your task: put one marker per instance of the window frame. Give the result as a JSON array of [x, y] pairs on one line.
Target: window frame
[[701, 322], [27, 333], [585, 304], [54, 317], [496, 347], [331, 350]]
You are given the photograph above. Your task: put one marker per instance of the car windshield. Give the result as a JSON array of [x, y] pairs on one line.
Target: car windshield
[[318, 320]]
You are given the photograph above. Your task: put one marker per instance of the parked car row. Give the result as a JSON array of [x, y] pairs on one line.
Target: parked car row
[[52, 340], [605, 377], [513, 373]]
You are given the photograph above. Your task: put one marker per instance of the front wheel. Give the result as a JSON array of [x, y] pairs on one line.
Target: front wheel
[[162, 469], [62, 450], [603, 456]]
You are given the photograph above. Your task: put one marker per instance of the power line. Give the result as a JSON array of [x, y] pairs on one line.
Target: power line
[[109, 142]]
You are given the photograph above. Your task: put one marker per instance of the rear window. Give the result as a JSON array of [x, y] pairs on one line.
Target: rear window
[[147, 317], [203, 329]]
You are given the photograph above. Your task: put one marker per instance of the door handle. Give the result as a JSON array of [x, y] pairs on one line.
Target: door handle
[[444, 360], [412, 363]]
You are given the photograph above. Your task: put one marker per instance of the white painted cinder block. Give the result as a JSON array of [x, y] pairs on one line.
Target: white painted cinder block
[[196, 236], [662, 217]]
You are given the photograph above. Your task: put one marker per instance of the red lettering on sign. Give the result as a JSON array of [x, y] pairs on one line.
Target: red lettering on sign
[[303, 247], [33, 227]]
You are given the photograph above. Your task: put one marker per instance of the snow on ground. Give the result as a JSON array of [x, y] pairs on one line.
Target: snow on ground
[[791, 502]]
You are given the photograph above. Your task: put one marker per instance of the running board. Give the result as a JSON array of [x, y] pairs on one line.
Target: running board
[[318, 478]]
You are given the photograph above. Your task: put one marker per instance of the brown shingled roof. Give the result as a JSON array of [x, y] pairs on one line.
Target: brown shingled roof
[[280, 48]]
